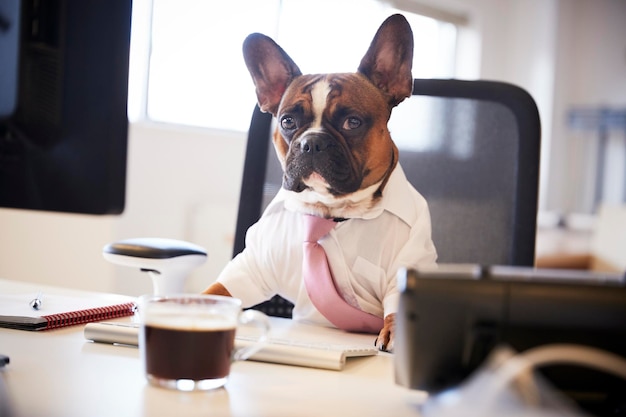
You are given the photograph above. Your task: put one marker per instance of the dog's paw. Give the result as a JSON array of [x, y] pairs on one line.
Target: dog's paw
[[217, 289], [385, 339]]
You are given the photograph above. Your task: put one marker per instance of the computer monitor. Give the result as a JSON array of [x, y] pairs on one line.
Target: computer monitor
[[450, 319], [63, 104]]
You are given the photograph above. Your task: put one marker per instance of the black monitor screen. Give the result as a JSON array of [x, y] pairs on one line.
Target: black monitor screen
[[63, 104]]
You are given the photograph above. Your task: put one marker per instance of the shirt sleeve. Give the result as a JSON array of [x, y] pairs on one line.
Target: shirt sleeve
[[418, 252], [245, 276]]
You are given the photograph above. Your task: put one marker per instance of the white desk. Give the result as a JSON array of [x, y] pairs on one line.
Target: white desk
[[58, 373]]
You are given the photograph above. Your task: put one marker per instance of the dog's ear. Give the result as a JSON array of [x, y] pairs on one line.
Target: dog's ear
[[271, 68], [389, 59]]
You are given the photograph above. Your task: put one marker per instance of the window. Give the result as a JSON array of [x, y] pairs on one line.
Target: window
[[186, 61]]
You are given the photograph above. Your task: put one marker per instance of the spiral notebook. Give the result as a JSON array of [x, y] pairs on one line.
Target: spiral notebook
[[58, 310]]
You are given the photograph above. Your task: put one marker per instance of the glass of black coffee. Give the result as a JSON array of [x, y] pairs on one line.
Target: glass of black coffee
[[187, 341]]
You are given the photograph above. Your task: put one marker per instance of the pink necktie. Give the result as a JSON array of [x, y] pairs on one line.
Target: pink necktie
[[321, 287]]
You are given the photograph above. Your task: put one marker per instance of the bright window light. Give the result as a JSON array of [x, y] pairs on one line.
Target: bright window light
[[194, 73]]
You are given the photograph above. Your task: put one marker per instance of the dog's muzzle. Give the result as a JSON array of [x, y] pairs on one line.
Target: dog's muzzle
[[320, 152]]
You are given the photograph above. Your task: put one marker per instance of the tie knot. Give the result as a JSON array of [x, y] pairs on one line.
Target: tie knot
[[316, 227]]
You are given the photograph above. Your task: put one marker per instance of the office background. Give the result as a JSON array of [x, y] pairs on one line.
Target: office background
[[183, 182]]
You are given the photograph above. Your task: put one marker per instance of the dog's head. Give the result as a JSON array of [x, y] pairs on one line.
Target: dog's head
[[331, 137]]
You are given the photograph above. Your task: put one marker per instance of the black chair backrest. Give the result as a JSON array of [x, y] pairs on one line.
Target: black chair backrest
[[478, 168], [471, 148]]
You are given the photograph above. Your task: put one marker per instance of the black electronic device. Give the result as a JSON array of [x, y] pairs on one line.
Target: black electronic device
[[450, 319], [63, 104]]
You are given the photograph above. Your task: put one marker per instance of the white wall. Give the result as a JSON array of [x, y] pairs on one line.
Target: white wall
[[184, 183], [55, 249], [590, 71]]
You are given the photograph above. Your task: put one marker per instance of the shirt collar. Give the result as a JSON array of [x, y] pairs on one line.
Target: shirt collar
[[396, 199]]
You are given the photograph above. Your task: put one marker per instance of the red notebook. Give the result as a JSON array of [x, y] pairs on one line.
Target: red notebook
[[59, 310]]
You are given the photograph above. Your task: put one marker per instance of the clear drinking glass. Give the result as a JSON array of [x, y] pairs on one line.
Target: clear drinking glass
[[187, 341]]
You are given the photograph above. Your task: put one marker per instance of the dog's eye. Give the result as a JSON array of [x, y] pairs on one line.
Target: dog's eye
[[351, 123], [288, 123]]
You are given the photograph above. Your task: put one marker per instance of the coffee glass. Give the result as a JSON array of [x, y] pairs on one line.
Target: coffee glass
[[187, 341]]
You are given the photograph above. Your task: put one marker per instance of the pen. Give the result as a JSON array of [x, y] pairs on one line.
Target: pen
[[36, 302]]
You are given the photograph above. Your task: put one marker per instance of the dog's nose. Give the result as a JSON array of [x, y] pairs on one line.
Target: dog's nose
[[314, 143]]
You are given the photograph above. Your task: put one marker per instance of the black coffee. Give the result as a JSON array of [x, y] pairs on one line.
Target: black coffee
[[188, 354]]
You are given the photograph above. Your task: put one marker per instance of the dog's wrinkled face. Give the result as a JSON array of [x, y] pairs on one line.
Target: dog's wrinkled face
[[332, 137], [334, 144]]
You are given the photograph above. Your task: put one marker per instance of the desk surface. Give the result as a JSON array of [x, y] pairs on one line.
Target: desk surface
[[59, 373]]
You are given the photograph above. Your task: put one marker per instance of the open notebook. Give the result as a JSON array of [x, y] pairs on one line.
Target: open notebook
[[283, 351], [58, 310]]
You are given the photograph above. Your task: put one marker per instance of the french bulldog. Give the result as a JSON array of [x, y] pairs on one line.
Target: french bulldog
[[338, 160]]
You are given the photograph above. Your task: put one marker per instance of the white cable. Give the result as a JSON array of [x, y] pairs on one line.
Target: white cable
[[555, 354]]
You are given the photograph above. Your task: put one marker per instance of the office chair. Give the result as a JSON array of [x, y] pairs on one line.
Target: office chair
[[471, 148]]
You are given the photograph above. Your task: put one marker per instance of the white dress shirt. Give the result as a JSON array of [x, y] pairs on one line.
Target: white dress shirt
[[364, 254]]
